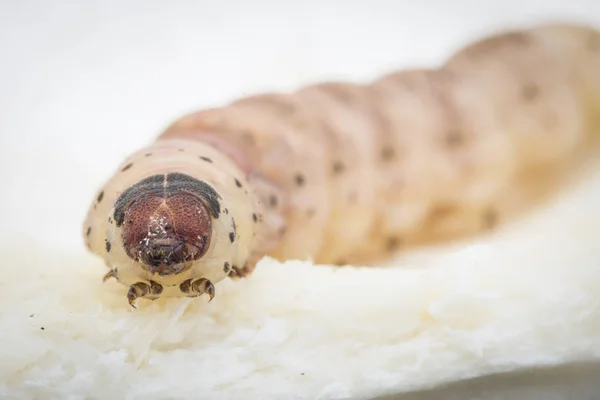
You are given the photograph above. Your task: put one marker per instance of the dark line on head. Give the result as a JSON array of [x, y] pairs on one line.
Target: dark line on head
[[181, 182], [152, 184]]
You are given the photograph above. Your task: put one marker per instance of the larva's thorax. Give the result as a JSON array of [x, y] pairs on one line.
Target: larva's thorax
[[151, 224]]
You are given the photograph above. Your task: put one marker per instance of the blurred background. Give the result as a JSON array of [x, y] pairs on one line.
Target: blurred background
[[83, 84]]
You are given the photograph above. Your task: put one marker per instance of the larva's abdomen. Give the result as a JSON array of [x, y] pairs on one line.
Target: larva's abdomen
[[348, 173], [421, 154]]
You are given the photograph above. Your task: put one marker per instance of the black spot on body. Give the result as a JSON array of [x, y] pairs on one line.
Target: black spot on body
[[100, 196], [393, 243], [226, 267], [125, 168], [233, 233], [273, 201], [530, 92], [147, 154], [248, 138], [89, 230], [453, 138], [42, 328], [338, 167], [299, 179], [490, 219], [208, 160], [387, 153], [238, 183], [108, 245], [254, 217], [310, 212], [226, 211], [181, 149]]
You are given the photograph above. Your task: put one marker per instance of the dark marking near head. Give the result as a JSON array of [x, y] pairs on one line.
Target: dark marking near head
[[110, 220], [150, 185], [282, 231], [453, 138], [89, 230], [108, 245], [254, 217], [226, 267], [208, 160], [273, 201], [175, 182], [530, 91], [181, 149], [393, 243], [490, 219], [338, 167], [387, 153], [100, 196], [299, 179], [125, 168], [147, 154], [181, 182], [226, 211], [231, 237], [310, 212], [238, 183]]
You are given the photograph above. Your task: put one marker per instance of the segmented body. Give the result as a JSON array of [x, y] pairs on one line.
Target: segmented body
[[347, 173]]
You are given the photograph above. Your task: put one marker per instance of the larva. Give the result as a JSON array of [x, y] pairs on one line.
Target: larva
[[348, 173]]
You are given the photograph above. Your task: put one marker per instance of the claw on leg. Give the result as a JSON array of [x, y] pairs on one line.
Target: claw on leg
[[202, 286], [198, 288], [136, 290], [110, 274], [141, 289]]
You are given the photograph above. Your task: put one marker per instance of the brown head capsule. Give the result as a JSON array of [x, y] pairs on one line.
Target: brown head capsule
[[166, 222]]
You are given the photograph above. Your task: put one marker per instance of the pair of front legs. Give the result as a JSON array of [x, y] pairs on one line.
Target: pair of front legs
[[153, 290]]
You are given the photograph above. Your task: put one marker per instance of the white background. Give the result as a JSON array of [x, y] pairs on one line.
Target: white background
[[82, 84]]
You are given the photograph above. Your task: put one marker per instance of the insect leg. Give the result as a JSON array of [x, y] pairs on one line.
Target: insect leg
[[198, 288], [141, 289]]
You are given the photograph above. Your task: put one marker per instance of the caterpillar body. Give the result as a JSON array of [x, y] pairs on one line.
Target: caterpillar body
[[346, 172]]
